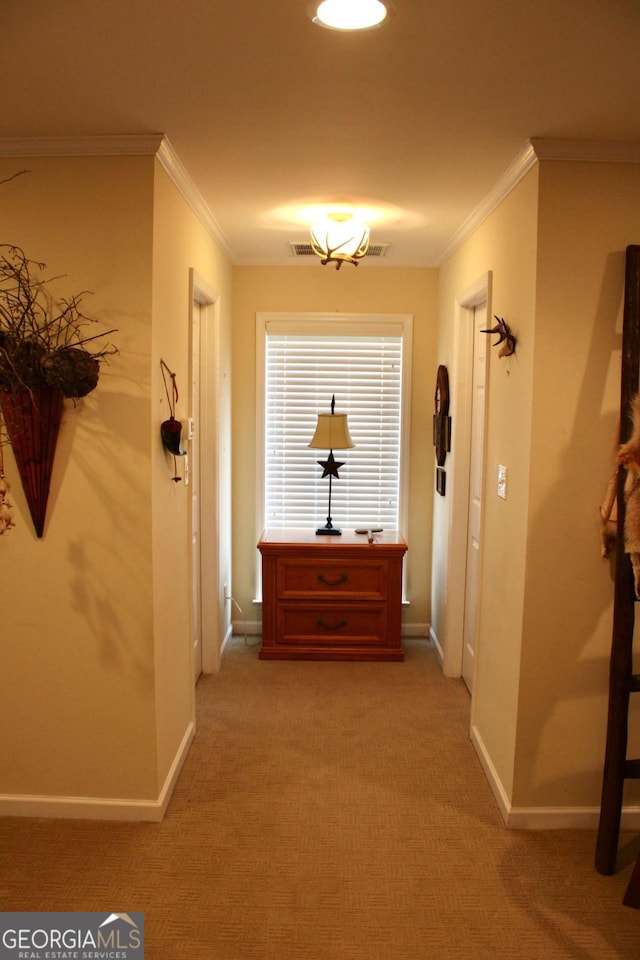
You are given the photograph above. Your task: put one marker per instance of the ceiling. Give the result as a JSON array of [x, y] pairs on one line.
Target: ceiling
[[270, 114]]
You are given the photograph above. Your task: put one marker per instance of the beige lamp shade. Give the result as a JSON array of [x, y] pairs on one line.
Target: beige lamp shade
[[332, 432]]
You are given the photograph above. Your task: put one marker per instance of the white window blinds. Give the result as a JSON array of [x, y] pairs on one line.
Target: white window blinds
[[302, 373]]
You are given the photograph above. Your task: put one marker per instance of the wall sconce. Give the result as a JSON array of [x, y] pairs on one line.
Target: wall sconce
[[332, 433], [341, 238]]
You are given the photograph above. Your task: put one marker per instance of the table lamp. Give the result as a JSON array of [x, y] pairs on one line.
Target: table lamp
[[332, 433]]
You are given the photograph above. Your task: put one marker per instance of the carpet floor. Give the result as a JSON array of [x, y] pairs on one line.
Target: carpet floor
[[330, 811]]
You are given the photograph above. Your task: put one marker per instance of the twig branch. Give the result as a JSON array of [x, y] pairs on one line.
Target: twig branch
[[41, 337], [13, 176]]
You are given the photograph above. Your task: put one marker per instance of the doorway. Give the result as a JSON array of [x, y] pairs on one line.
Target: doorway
[[468, 407], [204, 432], [476, 475], [197, 310]]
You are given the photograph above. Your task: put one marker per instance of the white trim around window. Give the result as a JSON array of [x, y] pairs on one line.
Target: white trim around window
[[394, 330]]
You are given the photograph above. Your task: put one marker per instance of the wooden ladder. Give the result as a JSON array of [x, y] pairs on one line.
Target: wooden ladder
[[622, 681]]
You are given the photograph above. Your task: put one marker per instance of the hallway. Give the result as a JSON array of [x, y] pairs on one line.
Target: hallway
[[330, 811]]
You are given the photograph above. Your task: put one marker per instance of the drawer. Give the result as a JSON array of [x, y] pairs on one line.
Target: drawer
[[300, 578], [332, 624]]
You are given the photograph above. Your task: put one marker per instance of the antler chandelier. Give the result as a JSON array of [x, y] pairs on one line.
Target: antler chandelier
[[341, 238]]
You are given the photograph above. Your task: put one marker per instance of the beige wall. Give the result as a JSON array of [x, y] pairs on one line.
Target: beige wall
[[97, 693], [366, 289], [77, 714], [588, 215], [505, 245], [555, 247], [182, 244]]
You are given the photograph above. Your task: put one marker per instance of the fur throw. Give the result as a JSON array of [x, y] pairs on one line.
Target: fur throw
[[6, 520], [629, 457]]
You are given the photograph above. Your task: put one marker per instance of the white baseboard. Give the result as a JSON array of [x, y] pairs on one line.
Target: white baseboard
[[100, 808], [492, 775], [434, 640], [567, 818], [544, 818], [178, 762]]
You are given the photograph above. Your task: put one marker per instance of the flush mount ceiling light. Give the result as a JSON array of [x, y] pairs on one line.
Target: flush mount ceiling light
[[341, 238], [350, 14]]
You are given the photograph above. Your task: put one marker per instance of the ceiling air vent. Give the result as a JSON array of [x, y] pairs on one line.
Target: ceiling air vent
[[306, 250], [377, 250]]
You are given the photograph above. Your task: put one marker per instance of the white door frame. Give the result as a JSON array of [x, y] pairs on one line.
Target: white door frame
[[474, 295], [208, 299], [193, 477]]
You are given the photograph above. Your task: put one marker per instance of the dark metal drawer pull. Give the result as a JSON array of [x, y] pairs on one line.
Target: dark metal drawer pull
[[332, 583], [325, 626]]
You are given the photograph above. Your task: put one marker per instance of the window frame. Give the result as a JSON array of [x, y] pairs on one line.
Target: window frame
[[328, 324]]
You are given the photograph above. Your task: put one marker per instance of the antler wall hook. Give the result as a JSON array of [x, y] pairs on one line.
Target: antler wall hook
[[504, 336]]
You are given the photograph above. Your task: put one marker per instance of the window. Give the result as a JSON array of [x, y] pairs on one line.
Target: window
[[305, 359]]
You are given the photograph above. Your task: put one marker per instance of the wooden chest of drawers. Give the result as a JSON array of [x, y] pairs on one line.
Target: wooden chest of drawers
[[331, 598]]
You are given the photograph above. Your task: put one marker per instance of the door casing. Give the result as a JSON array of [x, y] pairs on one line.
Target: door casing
[[212, 600], [473, 296]]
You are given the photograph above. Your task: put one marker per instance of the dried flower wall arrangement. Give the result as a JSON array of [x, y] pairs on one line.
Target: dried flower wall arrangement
[[44, 357], [42, 340]]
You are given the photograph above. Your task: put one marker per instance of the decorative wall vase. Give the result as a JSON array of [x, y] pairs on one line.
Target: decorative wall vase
[[44, 357], [441, 426], [441, 418], [32, 419]]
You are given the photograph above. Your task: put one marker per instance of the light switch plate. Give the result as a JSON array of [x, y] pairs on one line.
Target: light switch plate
[[502, 481]]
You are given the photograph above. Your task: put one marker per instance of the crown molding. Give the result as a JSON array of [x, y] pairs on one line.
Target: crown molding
[[521, 166], [539, 148], [594, 151], [134, 145], [177, 173]]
